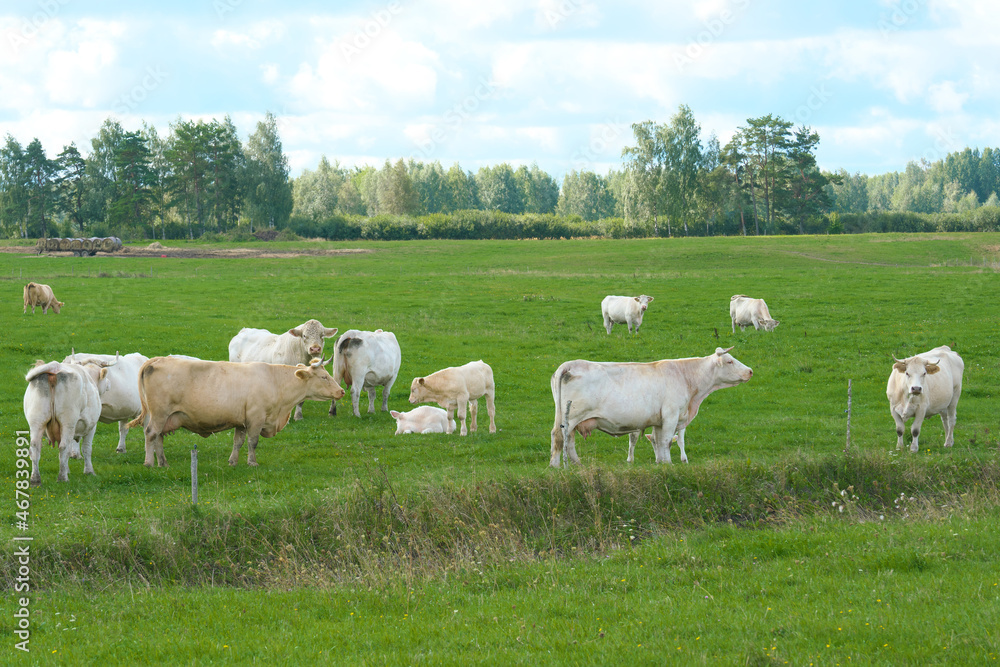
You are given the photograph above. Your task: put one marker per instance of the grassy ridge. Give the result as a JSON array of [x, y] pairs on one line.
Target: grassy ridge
[[343, 506]]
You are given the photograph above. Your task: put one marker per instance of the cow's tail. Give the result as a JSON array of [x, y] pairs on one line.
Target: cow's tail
[[144, 412], [345, 347], [44, 378], [562, 412]]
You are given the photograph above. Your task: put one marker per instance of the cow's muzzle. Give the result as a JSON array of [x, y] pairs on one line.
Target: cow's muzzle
[[916, 390]]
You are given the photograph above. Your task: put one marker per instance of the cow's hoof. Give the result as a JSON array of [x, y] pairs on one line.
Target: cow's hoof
[[252, 463], [63, 478], [120, 450], [35, 481], [232, 463], [148, 464], [90, 472]]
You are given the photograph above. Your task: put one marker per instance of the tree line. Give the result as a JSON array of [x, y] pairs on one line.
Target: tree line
[[201, 179]]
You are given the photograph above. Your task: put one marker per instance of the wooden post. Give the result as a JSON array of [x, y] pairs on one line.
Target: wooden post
[[847, 447], [194, 475]]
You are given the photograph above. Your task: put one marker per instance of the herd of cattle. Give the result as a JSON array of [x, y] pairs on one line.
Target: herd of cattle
[[269, 376]]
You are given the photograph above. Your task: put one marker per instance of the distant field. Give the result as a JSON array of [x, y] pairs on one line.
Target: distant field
[[473, 547]]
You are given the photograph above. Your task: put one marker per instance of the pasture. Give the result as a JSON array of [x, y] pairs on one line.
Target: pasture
[[350, 544]]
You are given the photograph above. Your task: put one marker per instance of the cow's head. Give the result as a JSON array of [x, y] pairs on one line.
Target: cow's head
[[419, 391], [312, 334], [769, 325], [56, 305], [643, 302], [730, 370], [916, 371], [320, 385]]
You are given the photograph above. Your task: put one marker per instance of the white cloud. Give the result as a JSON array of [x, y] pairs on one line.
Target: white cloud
[[388, 72], [944, 99], [253, 37]]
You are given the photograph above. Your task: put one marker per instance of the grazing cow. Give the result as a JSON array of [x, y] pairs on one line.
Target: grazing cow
[[453, 387], [207, 397], [120, 400], [366, 360], [744, 311], [36, 294], [627, 398], [624, 310], [295, 346], [923, 385], [423, 419], [63, 402]]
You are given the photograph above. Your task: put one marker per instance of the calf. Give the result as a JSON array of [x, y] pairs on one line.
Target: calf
[[120, 400], [926, 384], [624, 310], [63, 402], [455, 387], [423, 419], [366, 360], [206, 397], [744, 311], [627, 398], [295, 346], [36, 294]]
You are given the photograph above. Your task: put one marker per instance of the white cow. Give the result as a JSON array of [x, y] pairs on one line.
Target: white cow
[[296, 346], [744, 311], [454, 387], [36, 294], [923, 385], [624, 310], [366, 360], [423, 419], [63, 402], [120, 399], [627, 398]]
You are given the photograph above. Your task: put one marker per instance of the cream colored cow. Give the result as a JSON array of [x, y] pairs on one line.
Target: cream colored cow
[[454, 388]]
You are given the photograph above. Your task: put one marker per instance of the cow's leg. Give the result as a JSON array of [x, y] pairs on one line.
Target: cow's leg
[[65, 446], [450, 428], [918, 420], [680, 443], [298, 411], [333, 408], [35, 451], [463, 401], [239, 436], [74, 449], [569, 445], [86, 446], [122, 432], [372, 391], [491, 408], [473, 412], [900, 427], [633, 437], [386, 388], [608, 324], [252, 447], [662, 435], [356, 397], [734, 323]]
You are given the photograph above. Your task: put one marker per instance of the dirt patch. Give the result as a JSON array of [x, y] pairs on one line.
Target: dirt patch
[[201, 252]]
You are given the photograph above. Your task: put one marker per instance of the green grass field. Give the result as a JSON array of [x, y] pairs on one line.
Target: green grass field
[[349, 544]]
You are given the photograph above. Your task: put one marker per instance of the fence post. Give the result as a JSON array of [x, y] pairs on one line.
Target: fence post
[[194, 475], [847, 446]]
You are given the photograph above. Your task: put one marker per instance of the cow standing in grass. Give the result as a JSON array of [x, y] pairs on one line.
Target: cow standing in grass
[[120, 401], [206, 397], [63, 403], [744, 311], [626, 310], [36, 294], [366, 360], [454, 388], [627, 398], [295, 346], [923, 385]]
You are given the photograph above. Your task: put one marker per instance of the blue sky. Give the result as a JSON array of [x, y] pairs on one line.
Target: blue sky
[[552, 82]]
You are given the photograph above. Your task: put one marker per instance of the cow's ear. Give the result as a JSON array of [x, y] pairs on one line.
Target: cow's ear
[[636, 299], [302, 373], [649, 299], [395, 415], [329, 333], [932, 368], [650, 438], [900, 366], [421, 381], [102, 374], [295, 332]]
